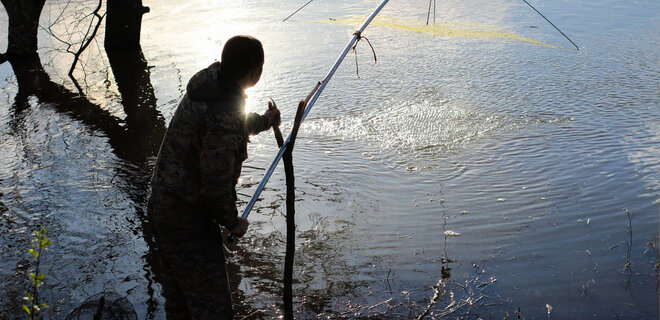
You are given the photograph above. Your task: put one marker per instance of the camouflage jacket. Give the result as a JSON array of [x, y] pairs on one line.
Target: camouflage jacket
[[200, 159]]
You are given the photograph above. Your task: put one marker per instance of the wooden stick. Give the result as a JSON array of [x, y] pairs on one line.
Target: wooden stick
[[287, 157]]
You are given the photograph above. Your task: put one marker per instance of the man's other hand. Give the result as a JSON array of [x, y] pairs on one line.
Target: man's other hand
[[241, 227], [273, 114]]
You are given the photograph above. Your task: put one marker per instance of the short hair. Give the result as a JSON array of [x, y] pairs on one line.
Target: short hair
[[241, 55]]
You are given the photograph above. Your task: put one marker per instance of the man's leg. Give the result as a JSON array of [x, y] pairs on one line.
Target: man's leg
[[175, 302], [207, 292], [176, 307], [194, 261]]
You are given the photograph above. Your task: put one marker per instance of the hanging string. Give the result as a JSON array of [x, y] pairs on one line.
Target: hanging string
[[428, 14], [360, 37], [552, 24]]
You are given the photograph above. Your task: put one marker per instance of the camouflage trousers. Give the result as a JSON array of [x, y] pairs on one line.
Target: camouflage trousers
[[191, 269]]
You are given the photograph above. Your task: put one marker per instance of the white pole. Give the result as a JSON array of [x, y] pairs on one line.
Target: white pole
[[310, 104]]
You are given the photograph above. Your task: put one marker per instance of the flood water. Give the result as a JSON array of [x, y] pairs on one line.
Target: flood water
[[482, 168]]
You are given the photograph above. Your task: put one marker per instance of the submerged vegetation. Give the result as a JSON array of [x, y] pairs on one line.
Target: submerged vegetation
[[629, 242]]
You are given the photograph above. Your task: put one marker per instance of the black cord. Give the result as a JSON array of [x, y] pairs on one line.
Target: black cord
[[360, 37], [291, 15]]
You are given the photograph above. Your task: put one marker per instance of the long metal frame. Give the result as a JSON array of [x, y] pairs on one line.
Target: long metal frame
[[316, 93]]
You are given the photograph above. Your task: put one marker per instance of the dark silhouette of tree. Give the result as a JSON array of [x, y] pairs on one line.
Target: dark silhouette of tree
[[143, 121], [140, 138], [134, 139], [23, 26], [123, 24]]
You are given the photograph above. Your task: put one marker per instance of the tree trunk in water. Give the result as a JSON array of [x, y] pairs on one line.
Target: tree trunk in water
[[144, 122], [123, 24], [23, 26]]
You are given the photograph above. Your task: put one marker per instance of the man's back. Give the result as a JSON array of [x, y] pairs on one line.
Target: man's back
[[211, 105]]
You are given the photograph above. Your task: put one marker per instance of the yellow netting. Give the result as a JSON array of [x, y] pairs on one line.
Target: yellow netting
[[450, 29]]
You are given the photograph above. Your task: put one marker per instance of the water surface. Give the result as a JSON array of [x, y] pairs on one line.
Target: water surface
[[488, 171]]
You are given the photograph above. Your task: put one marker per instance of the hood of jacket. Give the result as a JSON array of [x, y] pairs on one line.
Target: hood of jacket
[[210, 85]]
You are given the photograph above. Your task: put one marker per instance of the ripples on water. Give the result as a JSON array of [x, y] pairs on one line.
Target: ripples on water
[[529, 152]]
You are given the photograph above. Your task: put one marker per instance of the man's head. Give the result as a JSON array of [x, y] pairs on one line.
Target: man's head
[[243, 60]]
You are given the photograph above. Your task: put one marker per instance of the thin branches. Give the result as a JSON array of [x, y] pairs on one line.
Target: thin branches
[[436, 295], [87, 39], [72, 33]]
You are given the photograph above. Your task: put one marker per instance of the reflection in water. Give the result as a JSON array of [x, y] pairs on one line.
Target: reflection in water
[[135, 141], [145, 127], [34, 81], [322, 272]]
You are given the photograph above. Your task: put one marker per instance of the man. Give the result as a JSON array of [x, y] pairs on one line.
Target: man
[[193, 185]]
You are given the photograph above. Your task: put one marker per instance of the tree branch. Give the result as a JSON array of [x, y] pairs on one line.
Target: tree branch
[[85, 43]]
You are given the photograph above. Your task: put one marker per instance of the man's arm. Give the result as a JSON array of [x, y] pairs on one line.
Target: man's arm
[[257, 123]]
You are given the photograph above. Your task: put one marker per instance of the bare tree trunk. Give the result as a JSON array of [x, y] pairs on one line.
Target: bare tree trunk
[[23, 26], [123, 24]]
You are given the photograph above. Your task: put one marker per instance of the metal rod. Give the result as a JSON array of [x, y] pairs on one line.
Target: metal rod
[[316, 93], [350, 44], [552, 24], [291, 15]]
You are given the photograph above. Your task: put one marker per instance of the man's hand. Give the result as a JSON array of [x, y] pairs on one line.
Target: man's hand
[[241, 227], [273, 114]]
